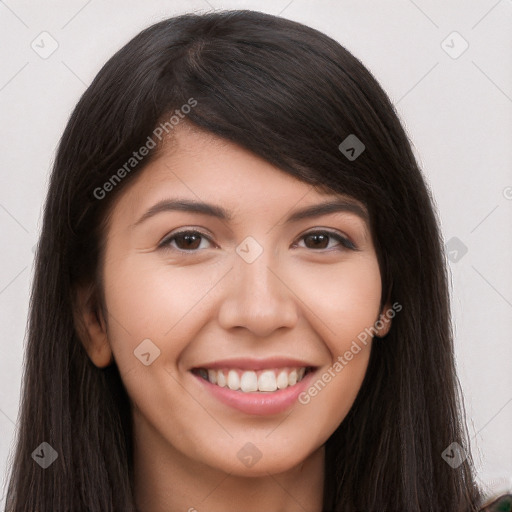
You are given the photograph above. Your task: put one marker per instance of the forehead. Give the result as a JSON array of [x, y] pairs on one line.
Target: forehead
[[200, 167]]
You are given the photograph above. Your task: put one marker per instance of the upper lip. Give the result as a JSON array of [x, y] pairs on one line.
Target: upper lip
[[256, 364]]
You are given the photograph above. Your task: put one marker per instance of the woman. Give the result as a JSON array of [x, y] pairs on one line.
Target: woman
[[299, 357]]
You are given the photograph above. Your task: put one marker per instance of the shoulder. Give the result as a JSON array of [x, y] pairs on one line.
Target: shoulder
[[501, 503]]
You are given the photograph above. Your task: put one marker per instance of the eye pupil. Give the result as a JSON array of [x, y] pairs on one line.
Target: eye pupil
[[317, 237], [188, 237]]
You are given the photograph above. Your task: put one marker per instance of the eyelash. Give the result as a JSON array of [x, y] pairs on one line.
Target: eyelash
[[345, 242]]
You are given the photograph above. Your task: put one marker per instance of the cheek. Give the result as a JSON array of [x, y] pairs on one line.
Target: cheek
[[148, 299], [344, 303], [330, 396], [343, 300]]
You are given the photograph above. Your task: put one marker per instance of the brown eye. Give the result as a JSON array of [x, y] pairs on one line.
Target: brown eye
[[188, 241], [320, 240]]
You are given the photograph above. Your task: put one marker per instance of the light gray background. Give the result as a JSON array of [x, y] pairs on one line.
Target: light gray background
[[457, 112]]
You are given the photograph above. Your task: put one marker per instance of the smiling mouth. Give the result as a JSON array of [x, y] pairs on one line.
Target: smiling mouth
[[269, 380]]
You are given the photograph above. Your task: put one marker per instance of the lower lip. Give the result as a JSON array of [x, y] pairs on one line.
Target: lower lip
[[258, 403]]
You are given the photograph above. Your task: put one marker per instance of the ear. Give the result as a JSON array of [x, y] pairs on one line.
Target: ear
[[383, 323], [91, 326]]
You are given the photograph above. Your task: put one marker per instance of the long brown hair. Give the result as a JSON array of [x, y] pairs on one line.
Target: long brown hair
[[291, 95]]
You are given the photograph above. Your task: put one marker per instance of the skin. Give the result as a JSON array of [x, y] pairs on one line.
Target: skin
[[297, 299]]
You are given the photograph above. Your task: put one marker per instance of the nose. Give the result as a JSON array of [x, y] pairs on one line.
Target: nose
[[258, 297]]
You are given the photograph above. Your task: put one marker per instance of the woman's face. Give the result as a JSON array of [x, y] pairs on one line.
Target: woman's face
[[260, 299]]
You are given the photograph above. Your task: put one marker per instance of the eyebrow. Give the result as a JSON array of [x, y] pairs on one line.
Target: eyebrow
[[188, 205]]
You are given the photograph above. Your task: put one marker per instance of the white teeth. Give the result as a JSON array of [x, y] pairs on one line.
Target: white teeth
[[250, 381], [267, 381], [233, 380], [282, 380], [212, 376], [221, 380]]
